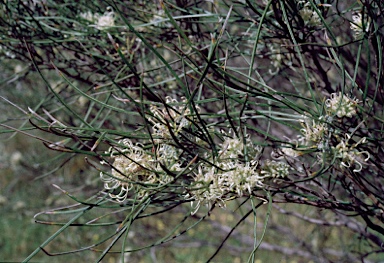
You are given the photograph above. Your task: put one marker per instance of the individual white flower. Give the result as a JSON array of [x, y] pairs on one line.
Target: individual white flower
[[358, 26], [160, 19], [341, 105], [289, 151]]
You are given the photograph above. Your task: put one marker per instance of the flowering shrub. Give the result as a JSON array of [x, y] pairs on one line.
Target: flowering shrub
[[253, 107]]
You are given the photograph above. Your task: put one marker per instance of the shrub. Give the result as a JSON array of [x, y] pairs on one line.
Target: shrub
[[189, 107]]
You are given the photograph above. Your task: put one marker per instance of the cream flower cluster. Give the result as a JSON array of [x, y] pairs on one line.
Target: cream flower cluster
[[349, 156], [168, 120], [101, 22], [321, 135], [135, 169], [341, 105], [231, 176], [275, 169], [313, 131], [359, 26], [309, 16]]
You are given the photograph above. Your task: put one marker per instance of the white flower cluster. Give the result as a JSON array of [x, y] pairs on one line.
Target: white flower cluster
[[349, 156], [212, 185], [320, 134], [137, 170], [359, 26], [275, 169], [341, 105], [230, 176], [101, 22], [314, 132], [169, 119], [309, 16]]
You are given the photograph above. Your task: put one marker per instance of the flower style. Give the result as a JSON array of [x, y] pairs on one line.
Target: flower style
[[359, 26], [341, 105], [349, 156]]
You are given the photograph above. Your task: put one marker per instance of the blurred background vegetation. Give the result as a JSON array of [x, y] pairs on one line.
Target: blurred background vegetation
[[77, 76]]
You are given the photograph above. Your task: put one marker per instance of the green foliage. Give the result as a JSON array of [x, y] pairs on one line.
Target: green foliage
[[181, 108]]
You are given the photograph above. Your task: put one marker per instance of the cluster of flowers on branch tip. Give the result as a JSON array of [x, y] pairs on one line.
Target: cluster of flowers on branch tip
[[231, 175], [322, 136], [341, 105]]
